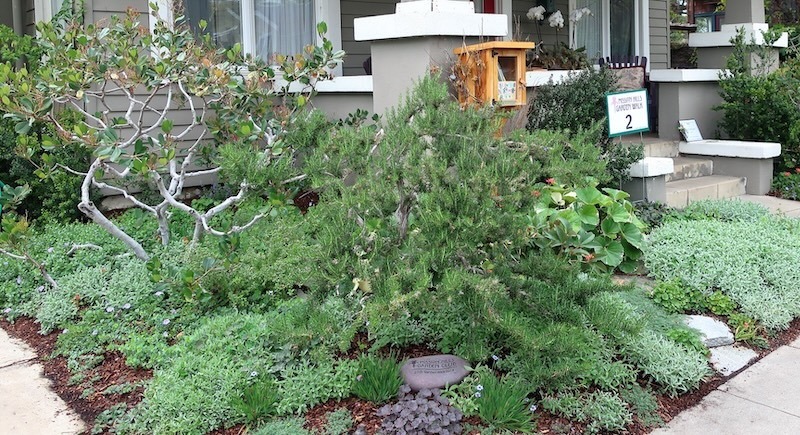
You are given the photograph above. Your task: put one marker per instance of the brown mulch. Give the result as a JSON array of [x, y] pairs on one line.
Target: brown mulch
[[88, 397], [113, 371]]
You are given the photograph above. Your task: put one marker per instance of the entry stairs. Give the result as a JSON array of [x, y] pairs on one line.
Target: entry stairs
[[693, 178]]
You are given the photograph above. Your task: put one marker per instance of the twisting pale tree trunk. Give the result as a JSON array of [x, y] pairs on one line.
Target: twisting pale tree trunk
[[135, 89]]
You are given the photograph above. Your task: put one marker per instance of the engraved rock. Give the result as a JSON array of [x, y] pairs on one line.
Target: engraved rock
[[435, 371]]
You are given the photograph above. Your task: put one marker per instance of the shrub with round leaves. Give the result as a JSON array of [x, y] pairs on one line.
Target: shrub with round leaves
[[590, 225]]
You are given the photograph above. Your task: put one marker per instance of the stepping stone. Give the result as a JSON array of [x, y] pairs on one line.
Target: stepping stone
[[435, 371], [714, 332], [727, 360]]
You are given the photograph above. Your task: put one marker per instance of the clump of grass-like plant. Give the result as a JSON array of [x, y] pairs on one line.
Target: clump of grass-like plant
[[378, 378], [502, 404], [258, 402]]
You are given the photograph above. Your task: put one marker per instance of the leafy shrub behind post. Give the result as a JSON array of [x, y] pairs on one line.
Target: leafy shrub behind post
[[578, 103], [759, 106], [88, 65]]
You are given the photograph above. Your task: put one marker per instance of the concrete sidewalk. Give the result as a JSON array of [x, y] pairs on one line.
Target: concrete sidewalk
[[27, 404], [763, 399]]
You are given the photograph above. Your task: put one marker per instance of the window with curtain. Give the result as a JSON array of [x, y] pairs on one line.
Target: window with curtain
[[223, 18], [623, 27], [280, 26], [283, 26], [589, 29]]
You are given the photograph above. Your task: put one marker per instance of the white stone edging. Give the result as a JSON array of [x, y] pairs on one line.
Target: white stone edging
[[543, 77], [652, 167], [686, 75], [341, 84], [731, 148], [431, 23], [754, 32]]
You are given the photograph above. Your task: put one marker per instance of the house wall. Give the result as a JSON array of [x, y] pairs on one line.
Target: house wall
[[30, 18], [6, 15], [358, 51], [659, 34], [102, 10]]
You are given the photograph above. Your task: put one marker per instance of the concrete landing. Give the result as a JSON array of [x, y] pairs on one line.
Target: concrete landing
[[680, 193], [27, 405], [775, 205], [763, 399]]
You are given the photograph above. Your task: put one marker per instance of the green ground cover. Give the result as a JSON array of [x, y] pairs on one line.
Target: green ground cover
[[435, 242]]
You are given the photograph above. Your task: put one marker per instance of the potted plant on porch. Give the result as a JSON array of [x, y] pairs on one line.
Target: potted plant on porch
[[557, 55]]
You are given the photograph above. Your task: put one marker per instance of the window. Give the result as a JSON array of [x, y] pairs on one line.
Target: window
[[704, 24], [263, 27], [277, 26], [615, 28]]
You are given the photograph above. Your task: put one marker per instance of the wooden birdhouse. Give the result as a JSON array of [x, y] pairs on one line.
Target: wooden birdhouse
[[492, 73]]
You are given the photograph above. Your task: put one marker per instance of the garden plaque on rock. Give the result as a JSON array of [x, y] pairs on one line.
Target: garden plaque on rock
[[435, 371]]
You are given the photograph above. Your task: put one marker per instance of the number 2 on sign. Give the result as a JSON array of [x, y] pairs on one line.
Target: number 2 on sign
[[630, 119]]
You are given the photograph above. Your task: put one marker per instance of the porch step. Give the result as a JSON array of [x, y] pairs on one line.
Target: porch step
[[681, 192], [661, 148], [687, 167]]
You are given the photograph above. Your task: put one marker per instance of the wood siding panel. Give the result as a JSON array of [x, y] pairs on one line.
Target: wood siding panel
[[30, 18], [358, 51], [659, 34]]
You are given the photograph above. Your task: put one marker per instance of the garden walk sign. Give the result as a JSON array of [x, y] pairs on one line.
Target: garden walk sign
[[627, 112]]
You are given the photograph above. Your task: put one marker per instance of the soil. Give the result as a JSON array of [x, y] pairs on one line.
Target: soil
[[88, 400]]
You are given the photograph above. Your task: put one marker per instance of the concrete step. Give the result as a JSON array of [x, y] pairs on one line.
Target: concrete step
[[661, 148], [688, 167], [681, 192]]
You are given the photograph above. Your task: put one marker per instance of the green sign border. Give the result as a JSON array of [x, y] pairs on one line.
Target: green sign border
[[647, 108]]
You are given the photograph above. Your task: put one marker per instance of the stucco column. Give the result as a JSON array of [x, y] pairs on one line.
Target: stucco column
[[745, 11], [419, 37]]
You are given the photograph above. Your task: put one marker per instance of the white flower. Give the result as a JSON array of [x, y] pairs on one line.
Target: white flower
[[253, 374], [478, 394], [556, 20], [536, 13], [579, 13], [94, 332], [109, 309], [50, 250], [479, 387], [40, 288], [7, 310], [159, 293], [165, 334], [126, 307], [165, 322], [532, 408], [65, 331], [495, 357], [19, 280]]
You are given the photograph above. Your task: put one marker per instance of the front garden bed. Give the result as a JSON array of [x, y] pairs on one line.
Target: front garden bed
[[427, 234]]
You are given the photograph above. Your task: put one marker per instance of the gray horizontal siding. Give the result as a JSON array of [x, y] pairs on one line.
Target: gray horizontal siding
[[659, 34], [30, 18], [358, 51]]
